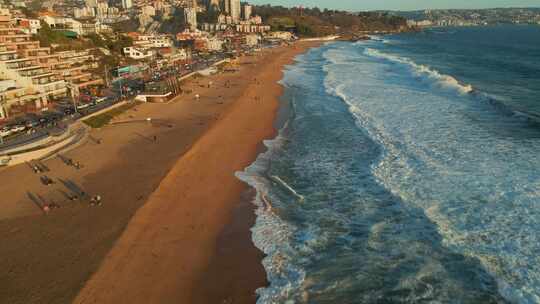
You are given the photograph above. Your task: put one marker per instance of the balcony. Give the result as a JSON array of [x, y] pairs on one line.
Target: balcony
[[23, 45], [58, 85], [88, 83], [19, 64], [45, 74], [37, 52], [80, 77], [14, 39], [72, 71], [44, 79], [31, 72], [10, 31], [8, 55]]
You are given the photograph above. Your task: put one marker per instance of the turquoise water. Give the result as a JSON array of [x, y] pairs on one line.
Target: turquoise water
[[408, 172]]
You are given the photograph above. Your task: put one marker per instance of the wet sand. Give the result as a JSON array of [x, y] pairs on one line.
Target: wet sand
[[173, 227]]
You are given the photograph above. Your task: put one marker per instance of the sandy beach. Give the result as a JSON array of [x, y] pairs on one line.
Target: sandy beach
[[174, 224]]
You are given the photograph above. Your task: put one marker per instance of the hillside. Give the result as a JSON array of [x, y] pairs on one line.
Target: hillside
[[309, 22]]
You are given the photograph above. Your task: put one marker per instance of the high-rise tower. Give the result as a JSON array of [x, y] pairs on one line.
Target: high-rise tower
[[236, 9]]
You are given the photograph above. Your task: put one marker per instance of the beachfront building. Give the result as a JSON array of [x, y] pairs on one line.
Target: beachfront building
[[251, 40], [279, 35], [32, 75], [24, 62], [77, 69], [214, 44], [252, 28], [214, 27]]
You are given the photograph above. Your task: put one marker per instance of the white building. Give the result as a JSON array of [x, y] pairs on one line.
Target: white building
[[235, 10], [247, 10], [91, 3], [423, 23], [280, 35], [148, 10], [214, 44], [252, 40], [153, 41], [190, 15], [137, 53], [29, 26], [76, 26], [127, 4], [86, 11]]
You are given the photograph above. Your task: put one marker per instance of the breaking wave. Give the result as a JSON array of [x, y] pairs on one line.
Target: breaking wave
[[444, 81]]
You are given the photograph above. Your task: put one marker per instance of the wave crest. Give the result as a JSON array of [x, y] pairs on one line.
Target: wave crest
[[422, 70]]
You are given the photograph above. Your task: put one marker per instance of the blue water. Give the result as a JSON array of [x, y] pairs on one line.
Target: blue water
[[408, 172]]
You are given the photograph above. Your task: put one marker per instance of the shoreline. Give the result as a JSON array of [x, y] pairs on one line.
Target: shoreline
[[57, 253], [209, 258]]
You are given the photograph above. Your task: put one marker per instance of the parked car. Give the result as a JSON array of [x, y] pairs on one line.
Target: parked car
[[17, 128], [99, 100], [5, 131], [83, 106]]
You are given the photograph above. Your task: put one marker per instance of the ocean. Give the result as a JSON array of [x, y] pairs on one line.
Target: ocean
[[408, 171]]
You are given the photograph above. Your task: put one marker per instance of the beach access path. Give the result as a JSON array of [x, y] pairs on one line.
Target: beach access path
[[168, 190]]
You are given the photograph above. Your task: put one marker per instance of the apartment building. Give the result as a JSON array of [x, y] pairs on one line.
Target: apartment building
[[32, 75], [138, 53], [24, 61], [152, 41], [81, 28]]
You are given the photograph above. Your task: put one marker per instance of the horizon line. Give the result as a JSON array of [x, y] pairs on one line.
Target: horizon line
[[411, 10]]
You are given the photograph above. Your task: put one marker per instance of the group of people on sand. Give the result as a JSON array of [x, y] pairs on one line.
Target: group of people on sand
[[75, 195], [77, 165], [94, 201]]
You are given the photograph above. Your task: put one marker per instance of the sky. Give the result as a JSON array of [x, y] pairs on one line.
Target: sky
[[361, 5]]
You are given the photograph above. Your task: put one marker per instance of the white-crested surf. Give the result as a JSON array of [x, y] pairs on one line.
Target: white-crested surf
[[413, 191]]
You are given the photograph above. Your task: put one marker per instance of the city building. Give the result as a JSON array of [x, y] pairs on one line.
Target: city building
[[214, 44], [190, 16], [278, 35], [213, 5], [192, 4], [127, 4], [28, 26], [253, 28], [251, 40], [235, 10], [138, 53], [247, 10], [148, 10], [31, 75], [226, 6], [151, 41], [78, 27]]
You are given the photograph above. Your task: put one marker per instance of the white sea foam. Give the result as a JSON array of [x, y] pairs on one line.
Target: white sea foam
[[271, 234], [433, 156], [444, 81]]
